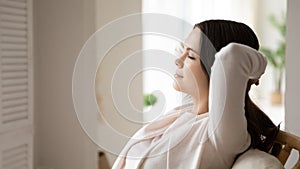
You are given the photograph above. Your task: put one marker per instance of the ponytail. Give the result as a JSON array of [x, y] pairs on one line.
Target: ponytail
[[260, 127]]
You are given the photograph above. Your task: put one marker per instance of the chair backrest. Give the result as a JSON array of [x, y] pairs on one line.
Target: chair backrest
[[288, 142]]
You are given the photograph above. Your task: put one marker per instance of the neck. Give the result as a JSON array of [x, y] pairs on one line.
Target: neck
[[200, 105]]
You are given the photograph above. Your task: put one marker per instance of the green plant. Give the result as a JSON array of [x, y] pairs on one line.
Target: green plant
[[149, 100], [276, 57]]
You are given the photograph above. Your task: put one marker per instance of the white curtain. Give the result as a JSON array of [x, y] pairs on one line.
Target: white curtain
[[195, 11]]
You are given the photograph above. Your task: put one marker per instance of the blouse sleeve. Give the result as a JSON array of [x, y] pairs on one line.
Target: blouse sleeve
[[234, 65]]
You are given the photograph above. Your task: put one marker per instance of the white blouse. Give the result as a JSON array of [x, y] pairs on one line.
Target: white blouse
[[183, 140]]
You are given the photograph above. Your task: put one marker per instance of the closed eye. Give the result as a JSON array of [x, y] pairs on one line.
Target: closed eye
[[191, 57]]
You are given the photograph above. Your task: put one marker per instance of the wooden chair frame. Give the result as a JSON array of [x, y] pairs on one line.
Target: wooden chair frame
[[288, 142]]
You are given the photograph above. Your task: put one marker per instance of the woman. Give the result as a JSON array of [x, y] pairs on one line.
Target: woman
[[217, 65]]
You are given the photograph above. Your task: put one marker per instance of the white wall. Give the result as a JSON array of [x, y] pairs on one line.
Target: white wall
[[60, 29], [292, 70], [59, 34]]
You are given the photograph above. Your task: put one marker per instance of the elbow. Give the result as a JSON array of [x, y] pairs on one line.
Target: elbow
[[232, 52], [230, 55], [245, 58]]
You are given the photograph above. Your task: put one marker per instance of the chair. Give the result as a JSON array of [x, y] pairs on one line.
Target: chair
[[288, 142], [103, 161]]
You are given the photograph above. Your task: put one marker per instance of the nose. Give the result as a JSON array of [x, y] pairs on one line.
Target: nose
[[179, 50], [179, 62]]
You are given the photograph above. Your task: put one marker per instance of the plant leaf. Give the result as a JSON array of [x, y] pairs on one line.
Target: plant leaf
[[149, 99]]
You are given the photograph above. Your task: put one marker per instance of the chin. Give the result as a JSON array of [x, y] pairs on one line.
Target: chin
[[177, 87]]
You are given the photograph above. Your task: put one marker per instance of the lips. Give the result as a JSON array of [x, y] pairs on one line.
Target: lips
[[178, 76]]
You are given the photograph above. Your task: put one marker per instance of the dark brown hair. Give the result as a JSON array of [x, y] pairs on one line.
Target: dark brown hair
[[220, 33]]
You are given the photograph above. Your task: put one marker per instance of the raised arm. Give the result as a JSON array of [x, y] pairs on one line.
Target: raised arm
[[234, 65]]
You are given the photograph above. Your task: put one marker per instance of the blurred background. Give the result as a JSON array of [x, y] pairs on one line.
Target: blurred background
[[41, 40]]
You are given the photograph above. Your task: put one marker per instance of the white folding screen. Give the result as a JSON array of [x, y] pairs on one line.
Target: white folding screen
[[16, 84], [16, 149]]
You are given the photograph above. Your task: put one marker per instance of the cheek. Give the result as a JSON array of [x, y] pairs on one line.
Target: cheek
[[194, 73], [188, 68], [192, 77], [195, 76]]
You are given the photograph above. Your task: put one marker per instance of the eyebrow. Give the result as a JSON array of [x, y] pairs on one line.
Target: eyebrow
[[188, 48]]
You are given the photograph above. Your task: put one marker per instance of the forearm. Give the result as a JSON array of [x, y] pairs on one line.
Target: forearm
[[234, 65]]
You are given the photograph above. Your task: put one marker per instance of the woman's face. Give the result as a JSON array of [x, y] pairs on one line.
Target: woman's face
[[190, 77]]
